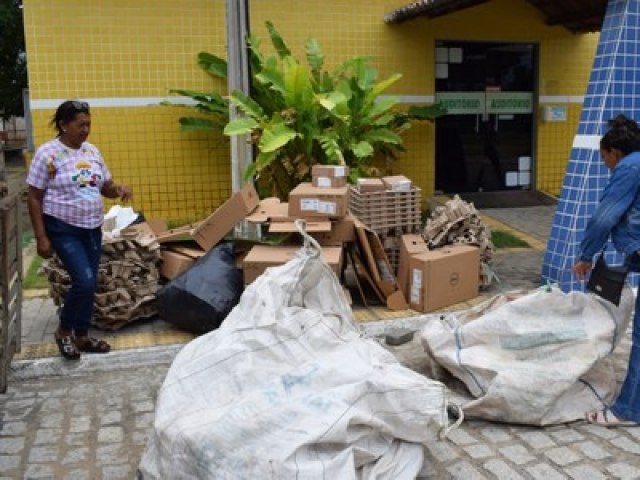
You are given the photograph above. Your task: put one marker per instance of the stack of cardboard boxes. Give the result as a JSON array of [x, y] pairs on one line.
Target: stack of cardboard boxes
[[344, 220], [323, 204]]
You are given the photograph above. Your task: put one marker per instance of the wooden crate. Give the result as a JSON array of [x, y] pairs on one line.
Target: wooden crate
[[10, 283]]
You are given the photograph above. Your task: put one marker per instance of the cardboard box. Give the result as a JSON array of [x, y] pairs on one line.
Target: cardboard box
[[397, 183], [329, 182], [329, 176], [261, 257], [443, 277], [174, 263], [308, 201], [370, 185], [410, 244], [268, 210], [342, 231], [213, 229], [334, 171]]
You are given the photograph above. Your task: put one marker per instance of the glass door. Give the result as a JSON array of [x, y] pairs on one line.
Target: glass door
[[485, 141]]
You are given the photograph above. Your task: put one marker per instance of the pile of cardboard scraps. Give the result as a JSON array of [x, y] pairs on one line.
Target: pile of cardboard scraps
[[458, 222], [127, 277]]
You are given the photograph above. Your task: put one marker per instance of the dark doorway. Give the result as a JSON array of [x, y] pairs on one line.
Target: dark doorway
[[485, 142]]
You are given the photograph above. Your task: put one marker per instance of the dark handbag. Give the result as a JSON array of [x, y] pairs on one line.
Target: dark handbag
[[607, 281]]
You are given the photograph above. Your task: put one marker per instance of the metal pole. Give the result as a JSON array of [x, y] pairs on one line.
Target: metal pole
[[238, 79]]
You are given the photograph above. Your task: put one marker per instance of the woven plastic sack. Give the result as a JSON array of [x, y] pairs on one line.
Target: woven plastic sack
[[288, 387], [539, 359]]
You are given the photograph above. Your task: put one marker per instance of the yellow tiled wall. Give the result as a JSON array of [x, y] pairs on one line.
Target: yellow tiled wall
[[128, 54], [123, 53]]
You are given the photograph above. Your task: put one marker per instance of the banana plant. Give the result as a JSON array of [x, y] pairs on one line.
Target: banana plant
[[300, 114]]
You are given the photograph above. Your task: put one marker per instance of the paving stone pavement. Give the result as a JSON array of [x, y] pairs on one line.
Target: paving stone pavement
[[92, 422]]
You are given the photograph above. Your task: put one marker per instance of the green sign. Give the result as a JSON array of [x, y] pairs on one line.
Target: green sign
[[462, 103], [509, 102], [479, 103]]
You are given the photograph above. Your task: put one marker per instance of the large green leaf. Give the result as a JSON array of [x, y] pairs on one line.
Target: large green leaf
[[382, 106], [272, 77], [315, 57], [213, 64], [362, 149], [194, 124], [246, 104], [380, 87], [276, 136], [240, 126], [264, 159], [249, 172], [298, 89], [383, 135], [277, 41], [331, 100], [426, 112]]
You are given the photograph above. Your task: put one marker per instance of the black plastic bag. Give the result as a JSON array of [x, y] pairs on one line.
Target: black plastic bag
[[200, 298]]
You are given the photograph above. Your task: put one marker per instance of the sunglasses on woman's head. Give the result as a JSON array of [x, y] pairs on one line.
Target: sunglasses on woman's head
[[80, 106]]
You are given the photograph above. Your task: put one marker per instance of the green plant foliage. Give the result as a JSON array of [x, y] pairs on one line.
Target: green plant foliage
[[299, 114], [34, 279], [502, 239]]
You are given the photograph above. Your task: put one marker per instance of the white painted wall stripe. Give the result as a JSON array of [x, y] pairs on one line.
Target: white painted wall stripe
[[544, 99], [588, 142], [114, 102]]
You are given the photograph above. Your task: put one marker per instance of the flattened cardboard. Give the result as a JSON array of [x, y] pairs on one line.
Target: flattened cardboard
[[311, 226], [410, 244], [157, 225], [179, 233], [305, 200], [361, 274], [379, 267], [219, 223], [444, 277], [191, 252], [270, 209], [174, 263], [261, 257]]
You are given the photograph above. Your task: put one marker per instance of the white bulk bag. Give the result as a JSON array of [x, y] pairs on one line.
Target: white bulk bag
[[539, 359], [288, 387]]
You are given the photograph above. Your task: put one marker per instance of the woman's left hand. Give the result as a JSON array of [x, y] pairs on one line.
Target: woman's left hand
[[125, 193]]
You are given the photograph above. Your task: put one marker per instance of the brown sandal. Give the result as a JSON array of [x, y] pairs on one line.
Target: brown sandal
[[67, 348], [606, 418], [93, 345]]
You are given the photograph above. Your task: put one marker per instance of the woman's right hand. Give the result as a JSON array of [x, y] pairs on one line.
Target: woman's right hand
[[581, 268], [43, 246]]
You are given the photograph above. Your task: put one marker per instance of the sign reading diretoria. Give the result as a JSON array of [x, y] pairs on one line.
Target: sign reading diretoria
[[474, 103]]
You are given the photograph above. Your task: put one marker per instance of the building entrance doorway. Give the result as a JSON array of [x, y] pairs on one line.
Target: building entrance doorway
[[485, 142]]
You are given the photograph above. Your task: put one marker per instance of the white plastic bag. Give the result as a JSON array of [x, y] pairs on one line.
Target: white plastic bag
[[539, 359], [288, 387]]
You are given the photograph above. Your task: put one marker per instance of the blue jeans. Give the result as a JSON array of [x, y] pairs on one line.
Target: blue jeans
[[79, 250], [627, 405]]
